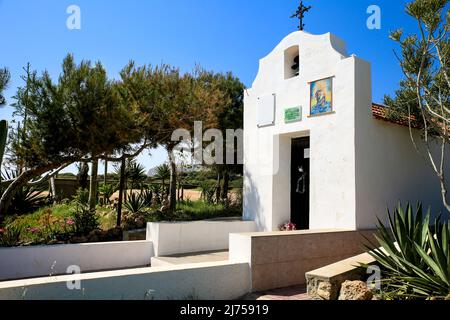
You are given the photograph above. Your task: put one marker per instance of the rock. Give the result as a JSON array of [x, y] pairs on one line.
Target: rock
[[355, 291], [324, 291], [94, 238], [79, 240], [165, 206]]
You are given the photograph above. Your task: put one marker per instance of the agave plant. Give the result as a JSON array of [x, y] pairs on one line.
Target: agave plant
[[415, 255], [28, 198], [147, 197], [135, 203]]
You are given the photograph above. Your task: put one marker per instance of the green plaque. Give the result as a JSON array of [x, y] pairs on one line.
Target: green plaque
[[293, 114]]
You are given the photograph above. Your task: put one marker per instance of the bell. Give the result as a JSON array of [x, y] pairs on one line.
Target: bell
[[296, 65]]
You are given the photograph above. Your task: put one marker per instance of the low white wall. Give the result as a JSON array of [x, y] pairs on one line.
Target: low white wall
[[208, 281], [39, 261], [186, 237]]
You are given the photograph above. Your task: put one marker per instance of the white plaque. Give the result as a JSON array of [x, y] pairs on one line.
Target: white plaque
[[266, 110], [307, 153]]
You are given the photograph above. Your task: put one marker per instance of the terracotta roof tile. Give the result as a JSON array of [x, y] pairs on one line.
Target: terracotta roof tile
[[380, 112]]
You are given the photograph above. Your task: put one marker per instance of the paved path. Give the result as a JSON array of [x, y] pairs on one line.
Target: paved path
[[296, 293], [213, 256]]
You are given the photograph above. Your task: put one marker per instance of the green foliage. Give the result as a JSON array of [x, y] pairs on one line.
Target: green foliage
[[82, 197], [162, 173], [136, 174], [27, 198], [424, 60], [10, 236], [107, 191], [423, 97], [5, 77], [55, 223], [208, 191], [158, 193], [85, 220], [147, 197], [135, 203], [65, 118], [200, 210], [415, 255]]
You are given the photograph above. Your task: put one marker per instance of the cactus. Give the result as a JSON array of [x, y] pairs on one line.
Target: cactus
[[3, 138]]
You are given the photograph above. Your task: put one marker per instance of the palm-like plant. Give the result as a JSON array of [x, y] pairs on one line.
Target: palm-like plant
[[415, 255], [163, 174], [136, 174]]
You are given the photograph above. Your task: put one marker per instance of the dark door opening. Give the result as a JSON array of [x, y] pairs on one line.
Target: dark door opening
[[300, 178]]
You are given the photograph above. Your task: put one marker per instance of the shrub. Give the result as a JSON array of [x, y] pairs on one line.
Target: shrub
[[82, 197], [106, 191], [10, 236], [208, 191], [85, 220], [415, 255]]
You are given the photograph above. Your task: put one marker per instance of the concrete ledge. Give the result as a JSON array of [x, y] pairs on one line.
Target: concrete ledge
[[198, 236], [41, 261], [215, 281], [325, 283], [281, 259], [135, 235]]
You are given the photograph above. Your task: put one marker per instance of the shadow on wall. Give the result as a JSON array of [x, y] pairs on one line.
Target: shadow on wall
[[252, 203]]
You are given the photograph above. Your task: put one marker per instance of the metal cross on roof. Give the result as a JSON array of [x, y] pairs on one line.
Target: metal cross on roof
[[300, 14]]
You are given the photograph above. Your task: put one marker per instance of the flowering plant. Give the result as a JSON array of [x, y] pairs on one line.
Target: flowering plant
[[288, 226]]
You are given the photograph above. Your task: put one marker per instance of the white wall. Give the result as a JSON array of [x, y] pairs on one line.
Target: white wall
[[39, 261], [188, 237], [207, 281], [267, 150], [388, 167]]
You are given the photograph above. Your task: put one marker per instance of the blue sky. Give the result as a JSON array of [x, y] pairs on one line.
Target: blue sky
[[222, 35]]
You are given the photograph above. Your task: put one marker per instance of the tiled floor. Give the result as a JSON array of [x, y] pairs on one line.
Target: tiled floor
[[296, 293]]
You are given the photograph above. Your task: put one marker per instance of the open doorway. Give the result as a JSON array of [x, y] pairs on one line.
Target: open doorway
[[300, 182]]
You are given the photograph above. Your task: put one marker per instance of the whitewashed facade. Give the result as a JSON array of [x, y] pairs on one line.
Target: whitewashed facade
[[356, 165]]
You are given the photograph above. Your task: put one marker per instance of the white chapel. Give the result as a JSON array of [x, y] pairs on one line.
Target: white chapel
[[318, 151]]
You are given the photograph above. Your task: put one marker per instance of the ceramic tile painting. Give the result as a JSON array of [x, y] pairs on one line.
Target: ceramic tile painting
[[321, 96]]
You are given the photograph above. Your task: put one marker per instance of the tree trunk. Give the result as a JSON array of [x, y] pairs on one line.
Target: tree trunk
[[53, 189], [105, 178], [218, 189], [93, 186], [225, 185], [121, 189], [173, 182], [22, 180], [163, 192]]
